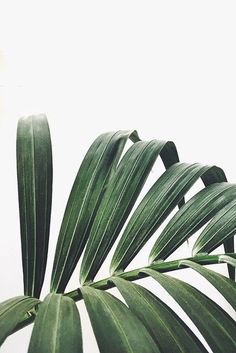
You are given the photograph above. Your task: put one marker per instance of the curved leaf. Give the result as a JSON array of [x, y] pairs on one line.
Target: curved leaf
[[157, 204], [216, 326], [12, 312], [34, 173], [191, 217], [57, 327], [229, 248], [221, 227], [84, 200], [228, 259], [165, 327], [116, 328], [224, 285], [121, 194]]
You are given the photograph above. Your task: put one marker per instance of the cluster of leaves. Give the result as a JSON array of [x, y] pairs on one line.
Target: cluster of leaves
[[104, 192]]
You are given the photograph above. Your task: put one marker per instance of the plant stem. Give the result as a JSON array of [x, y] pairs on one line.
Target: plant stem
[[104, 284]]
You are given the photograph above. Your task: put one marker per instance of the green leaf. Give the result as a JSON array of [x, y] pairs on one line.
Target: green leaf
[[228, 259], [221, 227], [57, 327], [158, 203], [191, 217], [165, 327], [229, 248], [34, 173], [216, 326], [219, 231], [224, 285], [116, 328], [87, 192], [12, 311], [121, 194]]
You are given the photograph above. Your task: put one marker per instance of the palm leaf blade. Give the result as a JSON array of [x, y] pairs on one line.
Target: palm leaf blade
[[166, 328], [34, 173], [228, 259], [116, 328], [216, 326], [57, 327], [224, 285], [157, 204], [191, 217], [87, 191], [117, 203], [221, 227], [11, 313]]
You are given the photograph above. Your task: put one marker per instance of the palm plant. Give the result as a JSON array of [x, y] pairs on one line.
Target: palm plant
[[104, 192]]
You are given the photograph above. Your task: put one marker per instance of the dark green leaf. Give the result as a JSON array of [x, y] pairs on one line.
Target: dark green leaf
[[221, 227], [229, 248], [12, 311], [158, 203], [116, 328], [216, 326], [191, 217], [166, 328], [224, 285], [117, 203], [34, 173], [57, 327], [87, 192]]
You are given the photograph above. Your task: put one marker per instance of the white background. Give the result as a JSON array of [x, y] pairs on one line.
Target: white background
[[166, 68]]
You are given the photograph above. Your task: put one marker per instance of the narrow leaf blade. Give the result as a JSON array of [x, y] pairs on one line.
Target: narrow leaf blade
[[57, 327], [87, 192], [224, 285], [166, 328], [157, 204], [116, 328], [11, 313], [220, 228], [216, 326], [117, 203], [230, 260], [191, 217], [34, 174]]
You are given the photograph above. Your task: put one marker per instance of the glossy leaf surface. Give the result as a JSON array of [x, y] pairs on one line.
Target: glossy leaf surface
[[12, 311], [121, 194], [116, 328], [191, 217], [166, 328], [86, 195], [57, 327], [216, 326], [34, 174], [157, 204]]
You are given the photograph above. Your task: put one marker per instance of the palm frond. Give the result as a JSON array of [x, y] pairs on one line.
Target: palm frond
[[102, 198]]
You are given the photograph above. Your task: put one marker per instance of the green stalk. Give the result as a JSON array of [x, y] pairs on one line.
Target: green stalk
[[134, 275]]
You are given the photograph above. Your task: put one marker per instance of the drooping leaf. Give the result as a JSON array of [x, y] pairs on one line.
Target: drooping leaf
[[57, 327], [224, 285], [12, 311], [87, 192], [117, 203], [191, 217], [116, 328], [165, 327], [157, 204], [216, 326], [34, 173]]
